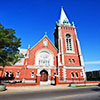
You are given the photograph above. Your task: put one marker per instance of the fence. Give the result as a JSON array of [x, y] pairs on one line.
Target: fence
[[12, 80]]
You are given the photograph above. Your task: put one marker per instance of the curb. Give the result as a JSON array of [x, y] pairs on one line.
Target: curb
[[36, 88]]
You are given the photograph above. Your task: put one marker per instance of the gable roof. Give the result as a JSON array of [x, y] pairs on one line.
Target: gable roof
[[42, 39]]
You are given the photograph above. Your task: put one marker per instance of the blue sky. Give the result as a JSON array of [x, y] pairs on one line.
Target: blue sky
[[32, 18]]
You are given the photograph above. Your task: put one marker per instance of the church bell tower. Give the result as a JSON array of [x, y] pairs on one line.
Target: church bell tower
[[70, 60]]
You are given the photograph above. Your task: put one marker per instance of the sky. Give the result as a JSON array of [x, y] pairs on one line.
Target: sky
[[32, 18]]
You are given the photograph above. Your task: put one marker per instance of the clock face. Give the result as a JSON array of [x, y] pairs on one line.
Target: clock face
[[45, 43]]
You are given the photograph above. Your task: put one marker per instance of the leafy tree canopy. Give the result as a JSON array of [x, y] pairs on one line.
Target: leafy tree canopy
[[9, 44]]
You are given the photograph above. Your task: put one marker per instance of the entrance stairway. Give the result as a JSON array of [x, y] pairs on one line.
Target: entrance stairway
[[45, 83]]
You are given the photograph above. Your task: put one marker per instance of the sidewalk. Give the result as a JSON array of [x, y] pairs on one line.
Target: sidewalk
[[34, 88]]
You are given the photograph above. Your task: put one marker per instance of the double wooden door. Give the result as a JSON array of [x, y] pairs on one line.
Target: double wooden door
[[44, 77]]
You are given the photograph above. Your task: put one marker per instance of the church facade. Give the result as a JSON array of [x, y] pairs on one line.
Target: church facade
[[47, 61]]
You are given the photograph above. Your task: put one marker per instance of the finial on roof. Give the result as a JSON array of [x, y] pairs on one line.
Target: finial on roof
[[73, 24], [45, 33]]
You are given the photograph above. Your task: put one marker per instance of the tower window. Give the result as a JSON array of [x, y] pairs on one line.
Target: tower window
[[72, 75], [69, 44], [73, 61]]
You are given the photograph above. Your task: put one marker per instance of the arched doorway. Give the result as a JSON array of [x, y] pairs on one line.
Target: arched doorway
[[44, 75]]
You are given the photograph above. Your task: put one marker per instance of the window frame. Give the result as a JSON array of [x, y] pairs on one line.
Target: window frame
[[76, 74], [10, 73], [69, 60], [32, 74], [6, 74], [17, 75], [73, 61], [68, 43], [72, 75]]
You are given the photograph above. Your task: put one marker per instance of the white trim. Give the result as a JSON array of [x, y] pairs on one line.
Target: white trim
[[70, 51], [40, 67], [72, 67], [81, 57], [84, 75], [60, 45], [15, 67], [49, 73], [79, 50], [82, 62], [70, 55], [62, 52]]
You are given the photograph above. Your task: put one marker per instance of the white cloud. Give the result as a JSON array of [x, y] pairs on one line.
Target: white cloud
[[92, 62]]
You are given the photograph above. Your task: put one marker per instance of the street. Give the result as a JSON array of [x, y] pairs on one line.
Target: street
[[84, 93]]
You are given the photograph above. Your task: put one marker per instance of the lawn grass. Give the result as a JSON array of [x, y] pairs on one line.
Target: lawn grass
[[85, 85]]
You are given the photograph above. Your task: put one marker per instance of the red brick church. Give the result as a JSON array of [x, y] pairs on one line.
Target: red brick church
[[47, 61]]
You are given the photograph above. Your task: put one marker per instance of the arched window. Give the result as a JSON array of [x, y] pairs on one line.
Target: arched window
[[76, 74], [6, 74], [17, 74], [32, 74], [69, 60], [44, 57], [69, 43], [73, 61], [54, 74], [10, 74], [72, 75]]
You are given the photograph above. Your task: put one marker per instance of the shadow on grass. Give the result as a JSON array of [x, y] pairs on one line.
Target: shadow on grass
[[3, 90]]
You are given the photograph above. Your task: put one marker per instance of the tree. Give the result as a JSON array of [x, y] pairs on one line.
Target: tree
[[9, 44]]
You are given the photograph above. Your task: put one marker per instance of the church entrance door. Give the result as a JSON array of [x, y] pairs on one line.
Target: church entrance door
[[44, 75]]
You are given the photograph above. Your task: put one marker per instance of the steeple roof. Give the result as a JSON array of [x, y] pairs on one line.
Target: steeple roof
[[63, 18]]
